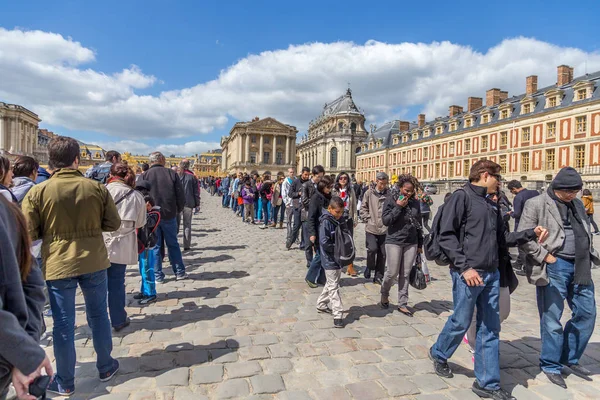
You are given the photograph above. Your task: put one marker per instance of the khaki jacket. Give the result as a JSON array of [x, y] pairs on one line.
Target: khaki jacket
[[588, 204], [122, 244], [275, 200], [371, 210], [69, 213]]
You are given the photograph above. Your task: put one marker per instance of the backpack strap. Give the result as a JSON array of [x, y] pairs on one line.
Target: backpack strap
[[125, 196]]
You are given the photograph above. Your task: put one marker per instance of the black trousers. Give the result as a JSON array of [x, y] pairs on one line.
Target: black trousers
[[376, 253], [308, 246], [295, 223]]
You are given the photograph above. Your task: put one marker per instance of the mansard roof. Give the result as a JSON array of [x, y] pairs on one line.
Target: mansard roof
[[343, 105], [538, 100]]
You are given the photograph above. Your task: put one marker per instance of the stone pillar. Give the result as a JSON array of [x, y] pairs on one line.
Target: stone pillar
[[260, 149], [274, 146], [2, 139], [224, 159], [287, 150], [247, 155], [13, 135]]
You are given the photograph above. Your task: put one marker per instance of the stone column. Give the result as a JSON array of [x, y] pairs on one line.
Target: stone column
[[247, 155], [274, 146], [2, 140], [224, 159], [261, 149], [287, 150], [13, 134]]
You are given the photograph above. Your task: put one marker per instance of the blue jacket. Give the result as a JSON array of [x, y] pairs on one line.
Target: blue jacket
[[43, 175], [327, 227]]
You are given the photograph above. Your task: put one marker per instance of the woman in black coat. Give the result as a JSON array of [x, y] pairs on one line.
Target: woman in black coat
[[318, 202]]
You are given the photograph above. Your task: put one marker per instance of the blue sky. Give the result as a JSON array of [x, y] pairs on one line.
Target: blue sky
[[200, 66]]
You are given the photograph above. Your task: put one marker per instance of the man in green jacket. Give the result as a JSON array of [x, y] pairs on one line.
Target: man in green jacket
[[69, 213]]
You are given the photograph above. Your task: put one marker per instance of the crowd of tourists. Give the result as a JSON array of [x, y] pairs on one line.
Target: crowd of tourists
[[60, 230], [472, 233]]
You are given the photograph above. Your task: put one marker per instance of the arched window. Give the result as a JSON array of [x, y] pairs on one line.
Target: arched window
[[353, 128], [333, 153], [340, 126]]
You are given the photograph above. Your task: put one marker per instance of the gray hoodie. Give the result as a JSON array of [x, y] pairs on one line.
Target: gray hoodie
[[21, 185], [21, 303]]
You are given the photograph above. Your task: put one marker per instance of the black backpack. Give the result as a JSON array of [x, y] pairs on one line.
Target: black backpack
[[431, 245], [101, 173], [146, 235], [343, 248]]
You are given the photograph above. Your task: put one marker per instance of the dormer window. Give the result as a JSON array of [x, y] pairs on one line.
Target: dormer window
[[452, 127], [526, 109], [415, 135], [468, 122], [439, 129], [404, 138], [426, 133], [551, 102], [371, 146], [581, 94], [395, 141], [503, 114]]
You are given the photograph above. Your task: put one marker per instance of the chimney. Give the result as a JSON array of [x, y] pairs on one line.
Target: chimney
[[503, 96], [421, 120], [565, 75], [473, 103], [403, 126], [531, 85], [492, 97], [455, 110]]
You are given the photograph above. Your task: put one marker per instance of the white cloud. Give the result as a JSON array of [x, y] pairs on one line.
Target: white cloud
[[140, 148], [45, 72]]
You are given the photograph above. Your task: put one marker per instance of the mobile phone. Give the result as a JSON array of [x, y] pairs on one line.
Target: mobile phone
[[401, 197]]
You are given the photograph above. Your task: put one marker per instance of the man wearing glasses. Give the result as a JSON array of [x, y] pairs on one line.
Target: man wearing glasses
[[561, 270], [472, 236]]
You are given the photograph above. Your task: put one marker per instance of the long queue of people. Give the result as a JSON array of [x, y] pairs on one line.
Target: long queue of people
[[471, 228], [60, 230]]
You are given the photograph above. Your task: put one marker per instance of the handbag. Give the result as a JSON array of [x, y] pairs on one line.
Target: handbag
[[417, 276]]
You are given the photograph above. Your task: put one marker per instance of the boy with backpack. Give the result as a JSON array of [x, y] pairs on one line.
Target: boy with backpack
[[337, 250], [147, 240]]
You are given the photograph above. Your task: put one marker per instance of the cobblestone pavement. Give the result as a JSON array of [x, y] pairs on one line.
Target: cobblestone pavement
[[245, 326]]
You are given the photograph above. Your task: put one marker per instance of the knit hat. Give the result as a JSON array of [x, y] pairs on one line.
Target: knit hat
[[382, 176], [567, 179]]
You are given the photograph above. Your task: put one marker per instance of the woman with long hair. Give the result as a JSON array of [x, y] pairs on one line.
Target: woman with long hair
[[344, 190], [21, 302], [318, 202], [122, 244], [404, 240], [6, 175]]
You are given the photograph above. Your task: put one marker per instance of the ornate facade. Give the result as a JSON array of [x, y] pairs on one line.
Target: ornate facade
[[334, 137], [531, 135], [18, 130], [209, 163], [261, 145]]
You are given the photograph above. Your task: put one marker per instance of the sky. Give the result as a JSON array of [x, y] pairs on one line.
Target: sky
[[146, 75]]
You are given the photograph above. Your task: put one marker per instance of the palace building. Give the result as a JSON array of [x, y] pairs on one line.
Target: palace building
[[531, 135], [18, 130], [334, 137], [208, 163], [259, 145]]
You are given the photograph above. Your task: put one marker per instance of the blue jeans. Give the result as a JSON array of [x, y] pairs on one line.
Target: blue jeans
[[564, 346], [316, 273], [485, 297], [116, 294], [257, 209], [62, 301], [226, 197], [168, 229], [146, 263], [265, 210]]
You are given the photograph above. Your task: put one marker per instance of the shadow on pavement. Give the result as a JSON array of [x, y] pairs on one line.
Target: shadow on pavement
[[209, 276], [436, 307], [355, 313]]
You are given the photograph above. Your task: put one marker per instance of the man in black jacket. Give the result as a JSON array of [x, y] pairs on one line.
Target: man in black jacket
[[295, 193], [308, 190], [471, 234], [192, 201], [168, 194], [521, 196]]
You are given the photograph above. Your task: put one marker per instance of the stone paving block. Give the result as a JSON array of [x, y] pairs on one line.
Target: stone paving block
[[174, 377], [283, 350], [142, 396], [399, 387], [437, 396], [206, 374], [191, 357], [300, 381], [553, 392], [336, 362], [334, 378], [368, 344], [187, 394], [331, 393], [293, 395], [312, 350], [364, 357], [223, 355], [277, 365], [267, 384], [254, 353], [346, 333], [394, 354], [365, 372], [428, 382], [463, 394], [222, 332], [401, 331], [243, 369], [341, 346], [165, 336], [266, 339], [232, 388], [130, 383], [523, 393], [366, 390], [319, 335]]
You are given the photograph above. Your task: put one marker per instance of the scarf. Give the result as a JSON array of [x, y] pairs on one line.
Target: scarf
[[570, 216]]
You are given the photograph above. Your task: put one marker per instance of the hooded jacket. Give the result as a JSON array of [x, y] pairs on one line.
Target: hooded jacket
[[327, 226], [22, 185], [42, 175], [318, 203]]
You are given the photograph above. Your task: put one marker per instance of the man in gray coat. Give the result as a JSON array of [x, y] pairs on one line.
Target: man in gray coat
[[561, 269]]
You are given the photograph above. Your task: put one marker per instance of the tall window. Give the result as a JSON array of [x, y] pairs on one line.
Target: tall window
[[279, 140], [550, 130], [581, 124], [395, 158], [484, 143], [279, 158], [580, 156], [503, 164], [425, 171], [253, 138], [353, 128], [451, 147], [437, 170], [340, 126], [525, 134], [266, 140], [525, 162], [466, 167], [450, 169], [438, 150], [452, 127], [550, 159], [467, 144], [266, 157], [414, 155], [253, 157], [333, 154], [503, 138]]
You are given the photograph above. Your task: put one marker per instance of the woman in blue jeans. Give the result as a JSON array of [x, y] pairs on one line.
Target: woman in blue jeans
[[122, 244]]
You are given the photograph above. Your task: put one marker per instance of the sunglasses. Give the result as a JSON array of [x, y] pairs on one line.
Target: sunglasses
[[344, 178], [497, 176]]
